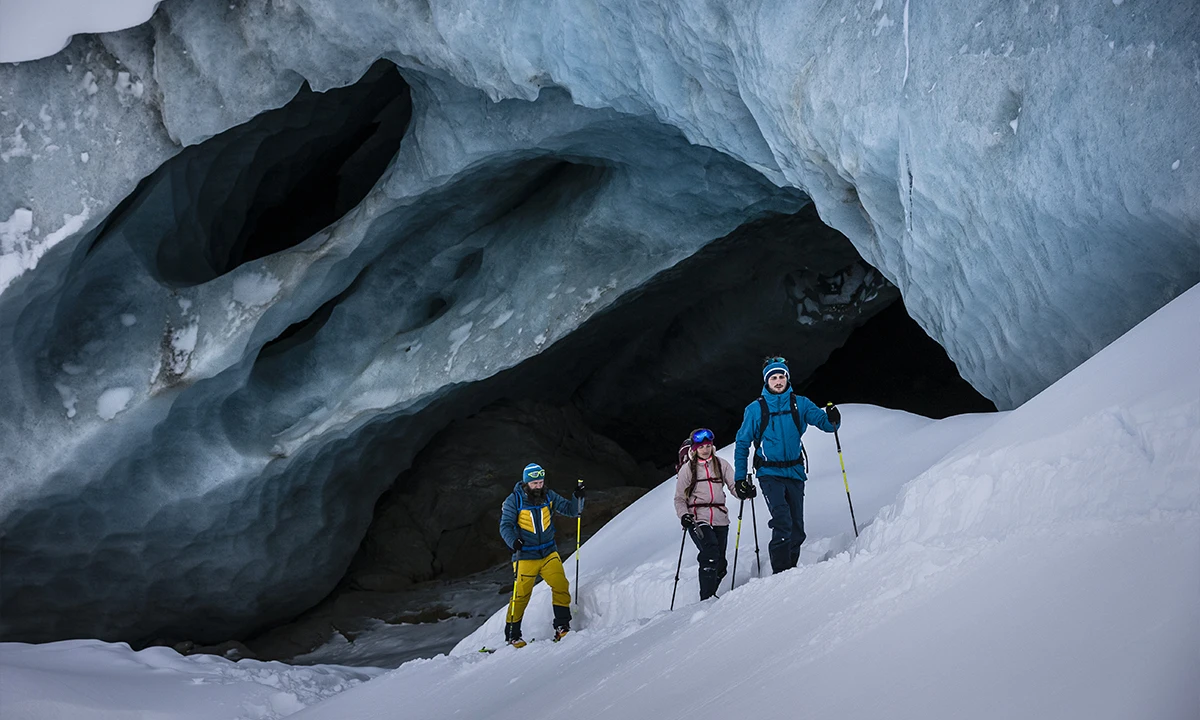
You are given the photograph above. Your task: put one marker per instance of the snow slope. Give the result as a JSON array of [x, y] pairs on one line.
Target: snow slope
[[80, 679], [1047, 565]]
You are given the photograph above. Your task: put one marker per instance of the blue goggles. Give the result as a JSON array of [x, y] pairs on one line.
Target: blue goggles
[[703, 435], [769, 360]]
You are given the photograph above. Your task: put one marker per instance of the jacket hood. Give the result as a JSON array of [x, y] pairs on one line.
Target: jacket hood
[[777, 402]]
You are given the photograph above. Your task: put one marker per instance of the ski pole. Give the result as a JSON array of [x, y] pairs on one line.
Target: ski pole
[[578, 542], [736, 542], [678, 567], [845, 482], [754, 520], [512, 603]]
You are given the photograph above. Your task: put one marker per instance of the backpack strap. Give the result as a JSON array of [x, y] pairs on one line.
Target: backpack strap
[[692, 466], [765, 418]]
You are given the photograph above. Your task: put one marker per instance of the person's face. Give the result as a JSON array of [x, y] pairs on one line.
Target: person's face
[[704, 451], [777, 382], [536, 484]]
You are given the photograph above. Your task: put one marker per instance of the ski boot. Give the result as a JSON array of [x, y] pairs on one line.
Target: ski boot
[[512, 634]]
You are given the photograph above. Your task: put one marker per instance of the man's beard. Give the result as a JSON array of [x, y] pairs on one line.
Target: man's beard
[[536, 496]]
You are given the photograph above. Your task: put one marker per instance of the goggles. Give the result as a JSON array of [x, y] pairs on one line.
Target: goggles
[[702, 436], [536, 474], [769, 360]]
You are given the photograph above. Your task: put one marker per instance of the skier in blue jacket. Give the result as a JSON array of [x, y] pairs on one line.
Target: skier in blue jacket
[[779, 457]]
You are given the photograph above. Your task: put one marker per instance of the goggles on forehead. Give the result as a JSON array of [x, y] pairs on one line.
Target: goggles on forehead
[[769, 360], [536, 474], [702, 436]]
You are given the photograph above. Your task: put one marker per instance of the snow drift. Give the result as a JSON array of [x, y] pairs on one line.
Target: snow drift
[[1048, 566]]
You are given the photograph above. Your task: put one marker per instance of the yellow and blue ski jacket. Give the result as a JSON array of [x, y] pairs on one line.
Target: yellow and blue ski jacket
[[534, 524]]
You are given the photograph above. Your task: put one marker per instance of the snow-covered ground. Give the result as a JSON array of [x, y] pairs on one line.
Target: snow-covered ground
[[80, 679], [1042, 563], [29, 30]]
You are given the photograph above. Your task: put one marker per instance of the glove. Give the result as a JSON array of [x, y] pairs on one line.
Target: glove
[[580, 491], [517, 545], [744, 490], [687, 521], [835, 415]]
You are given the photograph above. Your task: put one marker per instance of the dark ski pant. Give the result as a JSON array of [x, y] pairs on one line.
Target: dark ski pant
[[785, 501], [711, 541]]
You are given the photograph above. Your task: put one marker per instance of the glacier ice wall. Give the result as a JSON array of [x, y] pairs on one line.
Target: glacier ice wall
[[1028, 176], [194, 446], [1006, 167]]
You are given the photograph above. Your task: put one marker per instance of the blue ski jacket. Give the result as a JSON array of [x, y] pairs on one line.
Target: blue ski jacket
[[781, 439], [534, 524]]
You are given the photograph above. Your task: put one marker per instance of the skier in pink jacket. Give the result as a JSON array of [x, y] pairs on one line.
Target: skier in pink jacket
[[700, 504]]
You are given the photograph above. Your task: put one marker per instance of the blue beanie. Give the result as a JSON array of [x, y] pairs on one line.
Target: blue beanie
[[532, 471], [774, 368]]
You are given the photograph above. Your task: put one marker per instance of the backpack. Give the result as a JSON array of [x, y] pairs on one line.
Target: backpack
[[764, 418], [685, 453]]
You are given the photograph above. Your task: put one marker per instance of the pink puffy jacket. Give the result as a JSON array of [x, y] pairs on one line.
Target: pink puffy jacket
[[707, 501]]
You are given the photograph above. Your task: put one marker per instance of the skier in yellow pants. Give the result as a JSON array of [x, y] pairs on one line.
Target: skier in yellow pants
[[527, 526]]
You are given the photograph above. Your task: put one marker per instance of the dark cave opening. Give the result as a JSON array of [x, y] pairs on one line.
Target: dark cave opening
[[891, 362], [611, 402], [266, 185]]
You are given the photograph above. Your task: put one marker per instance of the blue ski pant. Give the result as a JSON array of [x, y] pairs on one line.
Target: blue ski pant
[[785, 501]]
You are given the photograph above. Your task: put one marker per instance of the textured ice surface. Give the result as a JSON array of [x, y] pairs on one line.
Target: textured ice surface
[[240, 430], [1028, 176], [1006, 238]]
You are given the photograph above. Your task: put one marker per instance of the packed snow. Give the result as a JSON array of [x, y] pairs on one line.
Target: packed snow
[[1041, 563], [29, 30], [82, 679]]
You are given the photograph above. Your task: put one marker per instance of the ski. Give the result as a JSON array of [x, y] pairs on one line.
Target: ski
[[489, 651]]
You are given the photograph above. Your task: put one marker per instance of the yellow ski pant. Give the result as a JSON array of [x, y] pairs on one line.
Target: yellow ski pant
[[551, 570]]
